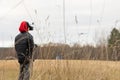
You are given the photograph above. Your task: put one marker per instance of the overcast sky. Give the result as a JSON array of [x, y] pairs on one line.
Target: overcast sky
[[85, 20]]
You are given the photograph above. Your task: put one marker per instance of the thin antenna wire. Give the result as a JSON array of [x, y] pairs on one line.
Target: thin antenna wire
[[64, 20], [101, 14], [103, 10], [27, 11], [90, 19], [14, 7]]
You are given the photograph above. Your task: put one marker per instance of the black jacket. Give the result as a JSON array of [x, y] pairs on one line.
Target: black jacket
[[24, 45]]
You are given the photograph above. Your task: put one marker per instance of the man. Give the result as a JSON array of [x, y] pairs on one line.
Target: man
[[24, 45]]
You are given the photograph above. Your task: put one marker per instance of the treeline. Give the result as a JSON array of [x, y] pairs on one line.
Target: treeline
[[63, 51], [109, 51]]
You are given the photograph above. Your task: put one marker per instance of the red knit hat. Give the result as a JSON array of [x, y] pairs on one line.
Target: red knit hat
[[23, 26]]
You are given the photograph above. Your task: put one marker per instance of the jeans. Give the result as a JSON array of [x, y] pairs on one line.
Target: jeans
[[24, 73]]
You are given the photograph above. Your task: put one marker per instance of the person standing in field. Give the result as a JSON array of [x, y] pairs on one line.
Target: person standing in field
[[24, 45]]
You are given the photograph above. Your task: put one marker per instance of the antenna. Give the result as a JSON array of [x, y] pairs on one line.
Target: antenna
[[64, 20]]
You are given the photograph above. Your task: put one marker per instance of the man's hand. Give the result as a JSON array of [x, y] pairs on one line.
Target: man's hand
[[35, 45]]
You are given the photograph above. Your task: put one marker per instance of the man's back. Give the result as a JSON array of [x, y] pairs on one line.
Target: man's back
[[22, 42]]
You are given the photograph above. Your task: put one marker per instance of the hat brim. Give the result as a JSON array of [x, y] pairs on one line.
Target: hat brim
[[30, 27]]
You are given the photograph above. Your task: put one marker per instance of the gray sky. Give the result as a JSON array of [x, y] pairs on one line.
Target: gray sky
[[94, 18]]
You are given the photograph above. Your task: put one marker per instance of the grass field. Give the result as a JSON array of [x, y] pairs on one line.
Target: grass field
[[64, 70]]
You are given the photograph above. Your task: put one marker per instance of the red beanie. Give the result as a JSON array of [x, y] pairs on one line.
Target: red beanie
[[23, 26]]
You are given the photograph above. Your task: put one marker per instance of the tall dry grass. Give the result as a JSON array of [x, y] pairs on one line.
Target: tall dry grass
[[64, 70]]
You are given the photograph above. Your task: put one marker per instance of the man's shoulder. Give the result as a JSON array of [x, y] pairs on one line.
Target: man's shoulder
[[20, 35], [29, 34], [26, 34]]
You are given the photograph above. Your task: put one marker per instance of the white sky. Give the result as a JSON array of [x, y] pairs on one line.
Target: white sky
[[94, 18]]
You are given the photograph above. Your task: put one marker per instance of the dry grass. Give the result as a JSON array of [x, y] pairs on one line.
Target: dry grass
[[64, 70]]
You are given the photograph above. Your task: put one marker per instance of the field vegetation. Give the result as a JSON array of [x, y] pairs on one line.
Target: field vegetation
[[64, 70]]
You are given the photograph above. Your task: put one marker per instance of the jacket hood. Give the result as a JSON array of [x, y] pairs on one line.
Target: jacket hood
[[23, 27]]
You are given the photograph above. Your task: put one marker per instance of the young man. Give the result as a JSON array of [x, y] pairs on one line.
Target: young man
[[24, 45]]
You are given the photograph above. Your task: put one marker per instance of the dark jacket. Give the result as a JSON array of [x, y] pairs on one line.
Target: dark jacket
[[24, 45]]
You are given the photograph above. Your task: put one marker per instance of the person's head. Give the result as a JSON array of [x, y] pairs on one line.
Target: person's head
[[25, 27]]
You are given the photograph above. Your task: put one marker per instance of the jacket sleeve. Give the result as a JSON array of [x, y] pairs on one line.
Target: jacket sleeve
[[30, 45]]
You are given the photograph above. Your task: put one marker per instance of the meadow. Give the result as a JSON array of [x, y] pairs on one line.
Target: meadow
[[64, 70]]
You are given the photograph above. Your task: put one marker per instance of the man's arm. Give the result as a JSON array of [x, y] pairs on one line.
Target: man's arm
[[30, 45]]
